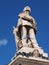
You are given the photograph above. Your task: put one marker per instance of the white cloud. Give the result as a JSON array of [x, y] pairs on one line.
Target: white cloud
[[3, 42]]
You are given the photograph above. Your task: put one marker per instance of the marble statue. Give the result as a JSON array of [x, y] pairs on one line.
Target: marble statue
[[28, 51], [25, 33], [29, 28]]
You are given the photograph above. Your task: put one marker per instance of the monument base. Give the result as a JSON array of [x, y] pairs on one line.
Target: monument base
[[29, 51], [22, 60], [29, 56]]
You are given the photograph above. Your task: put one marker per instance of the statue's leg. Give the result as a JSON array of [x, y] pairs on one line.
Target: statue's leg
[[32, 38], [34, 41], [24, 37]]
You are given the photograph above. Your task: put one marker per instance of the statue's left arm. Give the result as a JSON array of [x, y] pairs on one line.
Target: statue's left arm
[[34, 24]]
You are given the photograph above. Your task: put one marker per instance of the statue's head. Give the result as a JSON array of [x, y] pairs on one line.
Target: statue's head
[[27, 9], [36, 53]]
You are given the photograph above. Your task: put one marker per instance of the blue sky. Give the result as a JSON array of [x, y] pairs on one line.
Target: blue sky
[[9, 10]]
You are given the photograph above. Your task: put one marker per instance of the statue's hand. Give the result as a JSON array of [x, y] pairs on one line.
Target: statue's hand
[[15, 29]]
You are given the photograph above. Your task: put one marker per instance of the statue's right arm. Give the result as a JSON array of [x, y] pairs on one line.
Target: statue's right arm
[[19, 22]]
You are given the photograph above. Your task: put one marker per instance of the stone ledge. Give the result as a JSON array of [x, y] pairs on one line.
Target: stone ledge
[[29, 61]]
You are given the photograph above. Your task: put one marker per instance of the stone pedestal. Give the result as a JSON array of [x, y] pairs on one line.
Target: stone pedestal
[[22, 60], [29, 56]]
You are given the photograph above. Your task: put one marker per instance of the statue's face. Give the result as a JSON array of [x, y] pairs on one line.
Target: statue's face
[[36, 53], [27, 12]]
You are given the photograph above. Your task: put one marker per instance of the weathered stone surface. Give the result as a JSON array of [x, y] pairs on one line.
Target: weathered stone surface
[[19, 60]]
